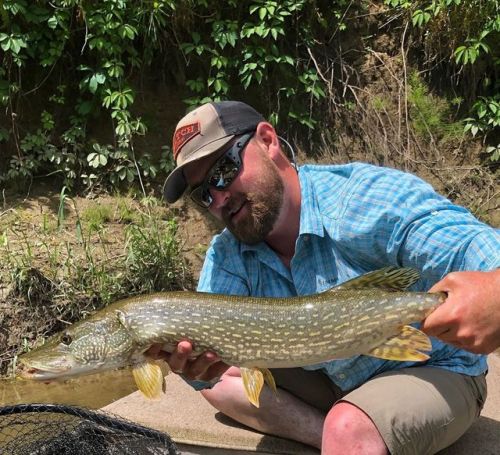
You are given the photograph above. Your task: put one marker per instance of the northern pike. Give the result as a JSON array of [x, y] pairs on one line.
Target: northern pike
[[367, 315]]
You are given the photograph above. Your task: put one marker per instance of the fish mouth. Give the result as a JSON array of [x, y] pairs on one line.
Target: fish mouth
[[26, 371]]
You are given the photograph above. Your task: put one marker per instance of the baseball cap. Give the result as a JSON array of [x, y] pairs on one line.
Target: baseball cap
[[203, 132]]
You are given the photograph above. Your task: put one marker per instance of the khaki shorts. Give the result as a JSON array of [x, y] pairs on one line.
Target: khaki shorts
[[418, 410]]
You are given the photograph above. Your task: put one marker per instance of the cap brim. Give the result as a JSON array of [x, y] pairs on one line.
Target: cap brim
[[176, 184]]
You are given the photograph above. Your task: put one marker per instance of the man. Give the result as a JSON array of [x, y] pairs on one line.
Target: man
[[302, 231]]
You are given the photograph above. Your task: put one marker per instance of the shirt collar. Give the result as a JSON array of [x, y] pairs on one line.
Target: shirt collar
[[311, 221]]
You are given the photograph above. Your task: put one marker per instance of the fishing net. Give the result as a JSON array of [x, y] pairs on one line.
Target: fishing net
[[45, 429]]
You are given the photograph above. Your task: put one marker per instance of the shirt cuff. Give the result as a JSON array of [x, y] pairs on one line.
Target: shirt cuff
[[201, 385]]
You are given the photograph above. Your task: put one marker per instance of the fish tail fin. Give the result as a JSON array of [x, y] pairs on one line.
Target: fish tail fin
[[406, 346], [253, 381]]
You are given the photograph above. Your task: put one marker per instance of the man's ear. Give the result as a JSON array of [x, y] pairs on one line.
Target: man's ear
[[266, 133]]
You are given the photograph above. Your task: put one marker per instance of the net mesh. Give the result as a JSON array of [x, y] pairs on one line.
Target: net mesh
[[45, 429]]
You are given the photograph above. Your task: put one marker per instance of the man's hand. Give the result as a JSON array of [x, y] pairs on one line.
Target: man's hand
[[205, 367], [470, 316]]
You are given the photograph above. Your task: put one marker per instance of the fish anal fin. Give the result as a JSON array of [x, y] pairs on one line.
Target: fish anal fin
[[253, 381], [391, 278], [149, 379], [406, 346]]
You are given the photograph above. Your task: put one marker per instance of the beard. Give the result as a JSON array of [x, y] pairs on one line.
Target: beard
[[263, 200]]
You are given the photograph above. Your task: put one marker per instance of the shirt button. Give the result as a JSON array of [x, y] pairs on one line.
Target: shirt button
[[306, 238], [341, 376]]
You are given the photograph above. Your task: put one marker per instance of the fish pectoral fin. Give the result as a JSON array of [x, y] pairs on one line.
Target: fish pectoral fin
[[406, 346], [253, 381], [149, 379], [389, 278]]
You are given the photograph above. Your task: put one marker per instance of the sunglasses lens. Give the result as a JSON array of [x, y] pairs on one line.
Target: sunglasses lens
[[222, 173], [201, 196]]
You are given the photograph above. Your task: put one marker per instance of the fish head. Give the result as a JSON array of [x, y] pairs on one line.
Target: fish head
[[93, 345]]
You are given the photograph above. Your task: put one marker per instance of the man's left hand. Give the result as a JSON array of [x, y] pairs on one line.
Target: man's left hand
[[470, 316]]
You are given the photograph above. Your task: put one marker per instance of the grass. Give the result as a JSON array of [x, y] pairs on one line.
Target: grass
[[97, 215], [70, 263], [379, 103], [124, 212], [430, 114]]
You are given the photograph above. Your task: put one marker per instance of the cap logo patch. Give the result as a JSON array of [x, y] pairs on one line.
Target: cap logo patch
[[183, 135]]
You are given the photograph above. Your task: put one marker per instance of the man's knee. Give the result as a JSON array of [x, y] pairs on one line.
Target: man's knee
[[349, 429], [345, 419]]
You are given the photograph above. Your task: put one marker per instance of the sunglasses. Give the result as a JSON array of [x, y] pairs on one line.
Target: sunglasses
[[222, 173]]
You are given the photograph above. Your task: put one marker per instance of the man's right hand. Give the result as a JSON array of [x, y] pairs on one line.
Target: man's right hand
[[206, 367]]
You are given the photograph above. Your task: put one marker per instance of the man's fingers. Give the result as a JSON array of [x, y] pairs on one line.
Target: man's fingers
[[198, 368], [205, 367], [179, 357], [432, 325], [155, 352], [439, 287], [216, 370]]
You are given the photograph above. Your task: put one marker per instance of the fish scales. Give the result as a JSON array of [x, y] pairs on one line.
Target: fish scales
[[274, 316]]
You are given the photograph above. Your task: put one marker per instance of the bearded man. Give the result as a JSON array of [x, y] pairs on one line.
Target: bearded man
[[298, 231]]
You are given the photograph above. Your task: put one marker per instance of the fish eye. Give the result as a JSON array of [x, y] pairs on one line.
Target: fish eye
[[66, 339]]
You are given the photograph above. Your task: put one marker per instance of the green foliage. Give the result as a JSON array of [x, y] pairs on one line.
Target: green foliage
[[110, 166], [486, 118], [494, 152], [379, 103], [430, 115], [83, 62], [50, 34], [466, 34], [84, 59], [468, 53], [261, 46]]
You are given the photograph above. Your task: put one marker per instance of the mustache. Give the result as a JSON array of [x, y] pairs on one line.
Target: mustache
[[233, 204]]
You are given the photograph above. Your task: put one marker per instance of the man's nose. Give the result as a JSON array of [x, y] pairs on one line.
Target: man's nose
[[219, 198]]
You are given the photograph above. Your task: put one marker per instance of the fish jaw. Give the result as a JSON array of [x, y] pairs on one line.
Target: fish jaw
[[62, 366], [50, 361], [46, 373]]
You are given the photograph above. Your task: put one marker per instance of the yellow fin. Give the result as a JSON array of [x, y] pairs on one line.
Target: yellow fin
[[268, 377], [390, 278], [253, 381], [406, 346], [149, 379]]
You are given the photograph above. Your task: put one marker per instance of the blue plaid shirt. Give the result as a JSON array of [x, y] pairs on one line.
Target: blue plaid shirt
[[356, 218]]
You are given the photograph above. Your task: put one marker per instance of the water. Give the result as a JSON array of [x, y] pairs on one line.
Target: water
[[93, 391]]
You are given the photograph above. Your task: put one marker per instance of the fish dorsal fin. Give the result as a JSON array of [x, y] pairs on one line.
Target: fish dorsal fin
[[406, 346], [392, 278], [253, 381], [149, 379]]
